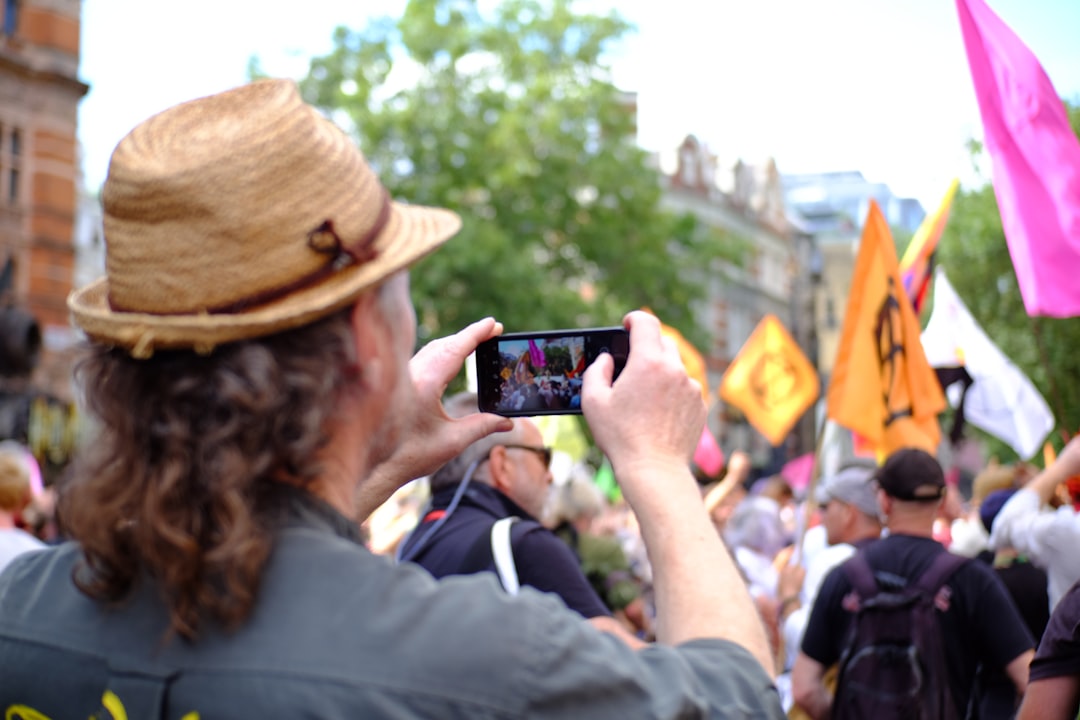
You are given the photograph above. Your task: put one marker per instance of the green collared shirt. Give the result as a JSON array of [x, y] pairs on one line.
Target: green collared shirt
[[339, 632]]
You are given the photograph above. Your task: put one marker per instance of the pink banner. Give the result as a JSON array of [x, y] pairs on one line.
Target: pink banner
[[797, 471], [536, 355], [1036, 161], [708, 456]]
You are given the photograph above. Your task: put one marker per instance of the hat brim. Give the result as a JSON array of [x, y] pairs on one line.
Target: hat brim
[[411, 232]]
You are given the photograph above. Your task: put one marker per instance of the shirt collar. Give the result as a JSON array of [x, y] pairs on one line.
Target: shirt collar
[[298, 507], [483, 496]]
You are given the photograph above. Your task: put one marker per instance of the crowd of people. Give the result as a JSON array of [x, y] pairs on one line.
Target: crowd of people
[[524, 388], [256, 399]]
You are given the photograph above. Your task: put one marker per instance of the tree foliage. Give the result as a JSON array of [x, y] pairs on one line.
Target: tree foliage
[[511, 119], [974, 253]]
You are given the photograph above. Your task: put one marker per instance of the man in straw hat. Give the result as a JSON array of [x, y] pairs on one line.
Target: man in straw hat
[[250, 377]]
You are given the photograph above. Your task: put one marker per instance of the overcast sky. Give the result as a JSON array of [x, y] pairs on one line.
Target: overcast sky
[[880, 86]]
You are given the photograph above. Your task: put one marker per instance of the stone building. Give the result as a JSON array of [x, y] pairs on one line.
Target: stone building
[[832, 206], [777, 278]]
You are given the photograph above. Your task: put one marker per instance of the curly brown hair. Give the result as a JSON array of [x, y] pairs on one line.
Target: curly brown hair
[[175, 483]]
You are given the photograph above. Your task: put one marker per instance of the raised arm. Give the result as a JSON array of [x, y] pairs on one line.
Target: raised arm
[[1022, 525], [648, 422], [1067, 464]]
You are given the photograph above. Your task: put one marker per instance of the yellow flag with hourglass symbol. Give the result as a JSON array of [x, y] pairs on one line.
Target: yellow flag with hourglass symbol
[[771, 381]]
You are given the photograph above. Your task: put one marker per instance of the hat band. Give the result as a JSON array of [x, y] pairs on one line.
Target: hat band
[[323, 239]]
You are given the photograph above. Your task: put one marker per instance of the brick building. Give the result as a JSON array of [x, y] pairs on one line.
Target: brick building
[[39, 186], [39, 167]]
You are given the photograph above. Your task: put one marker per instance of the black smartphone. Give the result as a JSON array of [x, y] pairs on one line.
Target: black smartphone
[[539, 373]]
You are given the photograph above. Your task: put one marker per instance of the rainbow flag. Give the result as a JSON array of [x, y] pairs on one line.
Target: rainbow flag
[[917, 265]]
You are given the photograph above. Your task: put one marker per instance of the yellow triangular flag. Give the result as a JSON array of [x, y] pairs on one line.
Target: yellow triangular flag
[[771, 381]]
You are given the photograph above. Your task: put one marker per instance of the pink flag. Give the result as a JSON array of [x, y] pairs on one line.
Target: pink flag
[[536, 355], [798, 471], [708, 456], [1036, 160]]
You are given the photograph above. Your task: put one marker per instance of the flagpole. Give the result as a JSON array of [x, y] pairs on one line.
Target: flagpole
[[810, 504]]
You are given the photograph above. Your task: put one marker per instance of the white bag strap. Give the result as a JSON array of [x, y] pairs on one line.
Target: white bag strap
[[504, 554]]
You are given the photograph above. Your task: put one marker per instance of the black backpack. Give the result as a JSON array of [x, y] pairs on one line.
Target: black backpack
[[893, 663]]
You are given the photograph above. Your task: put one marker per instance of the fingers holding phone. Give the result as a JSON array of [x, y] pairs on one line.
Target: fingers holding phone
[[653, 412]]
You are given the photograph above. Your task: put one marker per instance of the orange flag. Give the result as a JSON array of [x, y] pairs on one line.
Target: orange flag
[[692, 360], [1049, 454], [771, 381], [882, 386]]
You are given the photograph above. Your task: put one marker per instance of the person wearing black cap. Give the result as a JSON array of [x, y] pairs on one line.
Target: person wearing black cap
[[979, 622]]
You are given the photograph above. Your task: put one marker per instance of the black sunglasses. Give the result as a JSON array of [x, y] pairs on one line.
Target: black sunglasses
[[543, 451]]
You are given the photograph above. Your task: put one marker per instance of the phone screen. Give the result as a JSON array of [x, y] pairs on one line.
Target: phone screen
[[523, 374]]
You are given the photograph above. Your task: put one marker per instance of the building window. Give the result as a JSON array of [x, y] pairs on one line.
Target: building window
[[11, 16], [11, 152]]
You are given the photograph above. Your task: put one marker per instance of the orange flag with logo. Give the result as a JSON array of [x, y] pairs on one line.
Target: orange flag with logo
[[692, 360], [771, 381], [882, 386]]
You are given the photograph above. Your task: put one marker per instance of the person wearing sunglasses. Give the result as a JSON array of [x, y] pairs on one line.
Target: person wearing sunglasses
[[504, 476]]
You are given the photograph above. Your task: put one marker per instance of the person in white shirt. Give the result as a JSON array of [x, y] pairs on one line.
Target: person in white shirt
[[850, 518], [1049, 538], [14, 497]]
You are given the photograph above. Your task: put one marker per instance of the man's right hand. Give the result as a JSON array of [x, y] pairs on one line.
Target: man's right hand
[[648, 423], [652, 415]]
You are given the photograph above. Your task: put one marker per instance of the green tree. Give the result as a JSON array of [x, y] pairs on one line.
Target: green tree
[[976, 257], [511, 119]]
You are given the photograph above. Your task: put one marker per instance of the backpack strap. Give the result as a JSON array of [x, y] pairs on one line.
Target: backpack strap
[[503, 553], [861, 575], [939, 572]]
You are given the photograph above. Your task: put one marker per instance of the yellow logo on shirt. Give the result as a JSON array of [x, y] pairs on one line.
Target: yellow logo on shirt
[[113, 708]]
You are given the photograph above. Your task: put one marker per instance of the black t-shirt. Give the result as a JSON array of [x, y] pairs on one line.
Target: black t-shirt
[[1026, 585], [981, 624], [543, 561], [1059, 650]]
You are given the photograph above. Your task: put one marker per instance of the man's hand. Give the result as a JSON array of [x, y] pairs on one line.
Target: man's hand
[[1067, 464], [431, 438], [651, 417], [648, 423]]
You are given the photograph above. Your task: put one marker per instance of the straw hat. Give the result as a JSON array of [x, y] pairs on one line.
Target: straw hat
[[239, 215]]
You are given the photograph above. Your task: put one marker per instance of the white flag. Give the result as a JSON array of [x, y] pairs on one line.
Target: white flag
[[1001, 400]]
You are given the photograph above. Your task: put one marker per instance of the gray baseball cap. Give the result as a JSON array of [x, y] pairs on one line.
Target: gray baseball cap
[[854, 485]]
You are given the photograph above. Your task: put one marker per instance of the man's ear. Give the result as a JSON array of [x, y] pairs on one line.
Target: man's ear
[[499, 468], [370, 338], [884, 502], [850, 513]]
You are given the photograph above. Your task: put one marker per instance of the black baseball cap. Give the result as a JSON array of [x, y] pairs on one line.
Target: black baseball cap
[[911, 474]]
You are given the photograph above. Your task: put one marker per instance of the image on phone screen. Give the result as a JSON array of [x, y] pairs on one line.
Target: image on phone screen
[[540, 373]]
